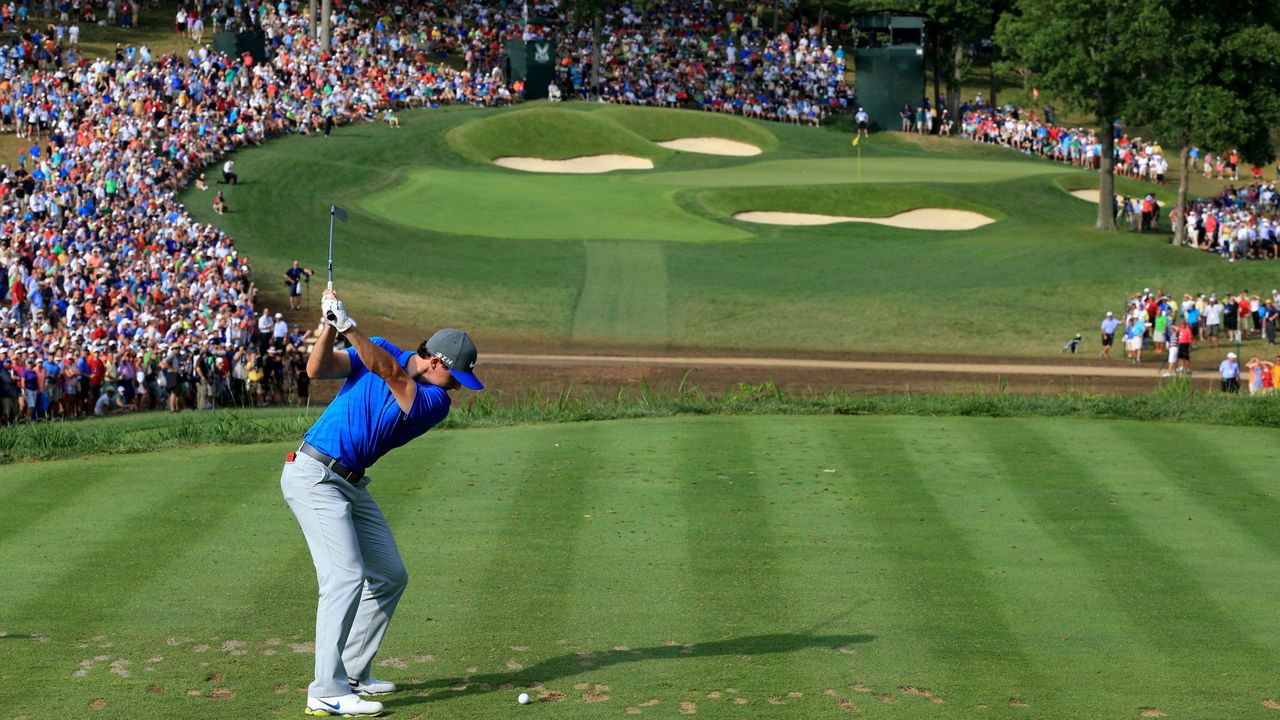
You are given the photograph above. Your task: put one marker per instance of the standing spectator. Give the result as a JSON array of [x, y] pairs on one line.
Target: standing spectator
[[1230, 371], [862, 118], [266, 324], [1214, 313], [1133, 339], [1185, 338], [1109, 325], [8, 393], [279, 331]]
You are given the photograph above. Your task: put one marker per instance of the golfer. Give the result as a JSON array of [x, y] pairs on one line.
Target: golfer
[[389, 396]]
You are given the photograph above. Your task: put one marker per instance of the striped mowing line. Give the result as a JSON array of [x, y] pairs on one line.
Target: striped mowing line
[[1077, 635], [30, 492], [630, 588], [216, 570], [1222, 547], [1167, 607], [92, 545]]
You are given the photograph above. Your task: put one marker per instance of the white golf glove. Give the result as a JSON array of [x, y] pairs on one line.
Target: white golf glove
[[335, 313]]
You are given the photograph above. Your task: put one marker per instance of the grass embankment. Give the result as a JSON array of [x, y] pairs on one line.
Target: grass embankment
[[541, 131], [957, 567], [148, 432], [520, 257]]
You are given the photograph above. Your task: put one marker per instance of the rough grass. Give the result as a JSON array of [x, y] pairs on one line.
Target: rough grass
[[1173, 403]]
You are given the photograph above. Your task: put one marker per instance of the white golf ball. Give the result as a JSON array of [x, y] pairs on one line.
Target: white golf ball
[[523, 699]]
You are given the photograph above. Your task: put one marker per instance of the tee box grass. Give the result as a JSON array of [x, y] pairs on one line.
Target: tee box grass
[[767, 566]]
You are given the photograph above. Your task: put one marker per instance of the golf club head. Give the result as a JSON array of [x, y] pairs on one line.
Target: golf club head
[[338, 213]]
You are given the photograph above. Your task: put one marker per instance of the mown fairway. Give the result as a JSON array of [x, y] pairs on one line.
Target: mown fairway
[[653, 258], [1087, 569]]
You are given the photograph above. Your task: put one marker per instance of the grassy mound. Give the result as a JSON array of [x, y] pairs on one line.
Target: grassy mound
[[800, 564], [554, 133], [659, 124], [861, 201]]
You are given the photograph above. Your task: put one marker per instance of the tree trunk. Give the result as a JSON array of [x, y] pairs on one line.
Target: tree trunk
[[1106, 179], [311, 20], [596, 30], [1184, 180], [953, 91], [326, 9], [957, 62], [995, 79], [936, 56]]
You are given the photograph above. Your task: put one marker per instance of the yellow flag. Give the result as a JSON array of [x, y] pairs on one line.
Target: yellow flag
[[855, 141]]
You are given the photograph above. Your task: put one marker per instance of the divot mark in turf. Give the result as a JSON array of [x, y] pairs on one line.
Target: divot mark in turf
[[97, 703], [550, 696], [519, 648], [594, 697], [714, 694], [1271, 704], [740, 701], [424, 658], [688, 708], [234, 647], [304, 647], [1152, 712], [847, 706], [155, 689], [282, 689], [859, 687], [885, 698], [632, 710], [271, 641], [581, 686], [920, 692], [194, 693], [775, 700], [507, 686], [649, 703], [795, 694], [395, 662], [514, 665], [1015, 702], [458, 687], [199, 648], [222, 694]]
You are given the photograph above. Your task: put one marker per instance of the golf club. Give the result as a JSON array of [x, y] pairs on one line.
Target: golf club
[[334, 211]]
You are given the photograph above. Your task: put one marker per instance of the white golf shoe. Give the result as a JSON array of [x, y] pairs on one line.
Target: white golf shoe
[[343, 706], [372, 686]]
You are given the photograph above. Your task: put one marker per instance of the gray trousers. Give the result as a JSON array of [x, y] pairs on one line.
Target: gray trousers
[[358, 566]]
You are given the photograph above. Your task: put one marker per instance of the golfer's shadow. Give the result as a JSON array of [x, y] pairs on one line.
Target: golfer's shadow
[[570, 664]]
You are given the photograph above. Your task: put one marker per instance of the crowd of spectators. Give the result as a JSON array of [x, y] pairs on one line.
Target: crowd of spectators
[[1172, 327], [1238, 223], [699, 54]]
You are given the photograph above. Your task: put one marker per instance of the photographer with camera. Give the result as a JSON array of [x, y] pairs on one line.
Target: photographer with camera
[[294, 277]]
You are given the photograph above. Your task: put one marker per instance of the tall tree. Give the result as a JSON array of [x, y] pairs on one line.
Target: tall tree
[[593, 11], [1215, 85], [1090, 53]]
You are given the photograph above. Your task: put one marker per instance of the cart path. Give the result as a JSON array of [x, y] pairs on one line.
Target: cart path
[[1122, 369]]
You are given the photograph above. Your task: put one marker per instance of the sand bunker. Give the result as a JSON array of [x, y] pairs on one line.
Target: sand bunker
[[1087, 195], [711, 146], [918, 219], [581, 165]]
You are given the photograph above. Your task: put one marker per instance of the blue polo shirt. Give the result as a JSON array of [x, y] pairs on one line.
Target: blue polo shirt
[[364, 421]]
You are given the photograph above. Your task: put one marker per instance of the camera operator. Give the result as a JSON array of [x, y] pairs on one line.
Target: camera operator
[[294, 277]]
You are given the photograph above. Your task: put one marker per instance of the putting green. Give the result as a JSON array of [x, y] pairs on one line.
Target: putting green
[[540, 207], [633, 205]]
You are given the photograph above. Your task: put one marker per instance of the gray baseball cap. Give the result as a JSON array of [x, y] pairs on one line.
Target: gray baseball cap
[[455, 348]]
